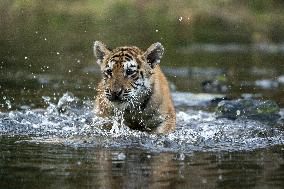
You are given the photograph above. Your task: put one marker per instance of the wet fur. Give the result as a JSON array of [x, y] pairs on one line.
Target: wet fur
[[146, 99]]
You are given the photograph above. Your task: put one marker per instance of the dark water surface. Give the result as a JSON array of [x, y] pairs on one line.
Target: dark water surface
[[33, 165]]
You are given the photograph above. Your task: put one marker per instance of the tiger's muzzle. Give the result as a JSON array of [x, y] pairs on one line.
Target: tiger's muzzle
[[118, 95]]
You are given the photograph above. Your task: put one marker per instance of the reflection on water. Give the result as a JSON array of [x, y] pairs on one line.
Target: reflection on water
[[54, 166]]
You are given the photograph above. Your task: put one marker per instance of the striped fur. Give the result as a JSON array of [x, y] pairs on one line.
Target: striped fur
[[134, 83]]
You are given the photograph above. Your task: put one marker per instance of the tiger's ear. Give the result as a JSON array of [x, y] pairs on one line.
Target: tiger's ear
[[100, 51], [154, 54]]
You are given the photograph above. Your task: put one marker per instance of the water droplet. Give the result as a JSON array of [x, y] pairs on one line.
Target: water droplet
[[238, 112], [121, 156], [181, 157], [8, 103], [36, 126], [204, 181]]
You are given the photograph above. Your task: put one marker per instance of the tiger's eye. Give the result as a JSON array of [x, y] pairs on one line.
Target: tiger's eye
[[108, 71], [129, 72]]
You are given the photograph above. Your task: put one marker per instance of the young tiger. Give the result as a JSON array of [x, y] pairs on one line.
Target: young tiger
[[134, 84]]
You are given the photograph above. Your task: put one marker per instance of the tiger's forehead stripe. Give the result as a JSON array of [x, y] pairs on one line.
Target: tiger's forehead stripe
[[130, 64], [126, 57], [132, 50], [121, 60]]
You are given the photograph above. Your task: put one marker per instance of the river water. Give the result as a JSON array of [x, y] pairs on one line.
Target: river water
[[56, 141]]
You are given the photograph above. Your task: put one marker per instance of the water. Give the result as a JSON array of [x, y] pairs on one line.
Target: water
[[72, 122], [57, 166], [50, 138], [66, 143]]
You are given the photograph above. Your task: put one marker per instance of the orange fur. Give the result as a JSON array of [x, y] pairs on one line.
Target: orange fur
[[151, 108]]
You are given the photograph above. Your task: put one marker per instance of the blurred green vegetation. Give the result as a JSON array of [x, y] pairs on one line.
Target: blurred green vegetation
[[63, 30]]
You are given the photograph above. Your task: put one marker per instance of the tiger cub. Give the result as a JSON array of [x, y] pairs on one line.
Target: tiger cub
[[134, 84]]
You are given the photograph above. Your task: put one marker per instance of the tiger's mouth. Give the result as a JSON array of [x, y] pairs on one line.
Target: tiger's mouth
[[116, 99]]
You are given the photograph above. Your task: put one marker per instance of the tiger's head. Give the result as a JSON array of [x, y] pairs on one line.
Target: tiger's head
[[127, 71]]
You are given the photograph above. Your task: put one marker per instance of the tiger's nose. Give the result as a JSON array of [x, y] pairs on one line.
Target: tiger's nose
[[116, 95]]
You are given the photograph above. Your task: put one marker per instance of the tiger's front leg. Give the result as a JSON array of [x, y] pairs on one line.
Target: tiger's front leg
[[167, 126]]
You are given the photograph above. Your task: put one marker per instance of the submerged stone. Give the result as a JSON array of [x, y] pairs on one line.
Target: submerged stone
[[264, 110]]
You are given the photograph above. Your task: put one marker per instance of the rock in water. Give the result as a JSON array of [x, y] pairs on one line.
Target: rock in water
[[264, 110], [218, 85]]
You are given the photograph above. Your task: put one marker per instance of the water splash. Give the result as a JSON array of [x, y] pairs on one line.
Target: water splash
[[118, 125], [71, 121]]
